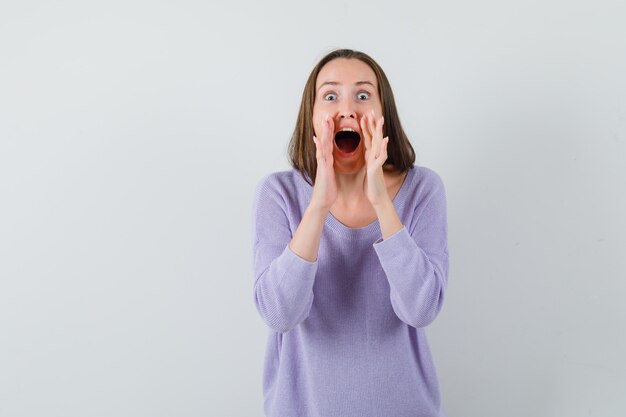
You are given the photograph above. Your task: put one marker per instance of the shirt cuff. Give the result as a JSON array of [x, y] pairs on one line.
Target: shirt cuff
[[393, 244], [299, 262]]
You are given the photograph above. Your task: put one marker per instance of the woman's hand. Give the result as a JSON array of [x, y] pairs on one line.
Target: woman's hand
[[325, 188], [375, 156]]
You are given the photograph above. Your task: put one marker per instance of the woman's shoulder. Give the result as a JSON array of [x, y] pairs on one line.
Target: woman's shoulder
[[427, 177], [426, 184], [289, 177], [284, 183]]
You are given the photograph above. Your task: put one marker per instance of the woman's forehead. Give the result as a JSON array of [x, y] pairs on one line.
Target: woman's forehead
[[345, 71]]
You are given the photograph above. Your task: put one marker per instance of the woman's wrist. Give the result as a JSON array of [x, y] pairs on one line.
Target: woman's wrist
[[388, 219], [383, 205], [317, 211]]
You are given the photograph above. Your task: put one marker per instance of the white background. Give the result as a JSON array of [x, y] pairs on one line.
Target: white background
[[132, 134]]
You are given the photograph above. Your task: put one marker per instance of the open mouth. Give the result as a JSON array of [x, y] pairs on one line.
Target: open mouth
[[347, 140]]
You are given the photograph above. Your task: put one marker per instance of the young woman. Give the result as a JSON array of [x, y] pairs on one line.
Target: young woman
[[350, 256]]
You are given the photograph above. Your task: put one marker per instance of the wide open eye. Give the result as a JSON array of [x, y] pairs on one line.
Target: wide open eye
[[363, 95], [332, 97]]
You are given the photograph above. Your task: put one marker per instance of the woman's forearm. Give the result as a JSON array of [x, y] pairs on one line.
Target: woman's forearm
[[306, 240], [388, 218]]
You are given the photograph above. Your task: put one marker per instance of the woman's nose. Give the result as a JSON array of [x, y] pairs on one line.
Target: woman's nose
[[347, 113]]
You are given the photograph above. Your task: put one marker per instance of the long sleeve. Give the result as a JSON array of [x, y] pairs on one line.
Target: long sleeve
[[283, 285], [416, 261]]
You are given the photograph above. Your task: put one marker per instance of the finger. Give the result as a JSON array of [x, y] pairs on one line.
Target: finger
[[318, 151], [372, 126], [375, 151], [379, 133], [328, 146], [375, 138], [383, 148], [330, 126], [367, 138], [320, 133]]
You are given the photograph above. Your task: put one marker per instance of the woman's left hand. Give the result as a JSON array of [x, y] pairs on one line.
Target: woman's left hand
[[375, 156]]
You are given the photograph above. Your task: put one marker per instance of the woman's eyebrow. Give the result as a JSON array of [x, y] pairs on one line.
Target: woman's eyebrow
[[327, 83], [336, 83]]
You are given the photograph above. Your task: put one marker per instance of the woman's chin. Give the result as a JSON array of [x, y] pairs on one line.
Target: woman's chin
[[346, 154], [348, 163]]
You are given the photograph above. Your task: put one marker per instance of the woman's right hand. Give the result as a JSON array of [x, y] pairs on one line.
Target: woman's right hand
[[325, 187]]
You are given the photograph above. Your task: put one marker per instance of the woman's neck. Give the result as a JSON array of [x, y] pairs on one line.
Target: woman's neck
[[350, 188]]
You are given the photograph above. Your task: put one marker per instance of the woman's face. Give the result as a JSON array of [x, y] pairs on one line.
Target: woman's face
[[346, 89]]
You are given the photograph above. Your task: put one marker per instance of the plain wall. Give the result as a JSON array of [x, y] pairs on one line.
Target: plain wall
[[132, 134]]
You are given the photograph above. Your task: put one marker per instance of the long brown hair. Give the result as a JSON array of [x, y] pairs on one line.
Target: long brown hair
[[400, 153]]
